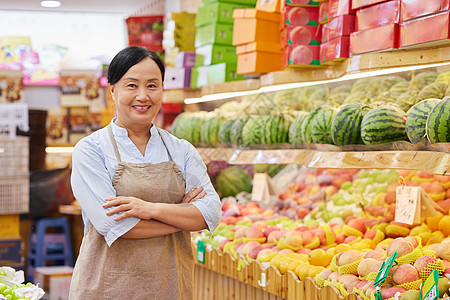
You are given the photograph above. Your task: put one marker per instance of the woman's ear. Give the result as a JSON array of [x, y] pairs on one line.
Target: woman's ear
[[111, 89]]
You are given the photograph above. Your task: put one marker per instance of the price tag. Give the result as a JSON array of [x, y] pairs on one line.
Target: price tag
[[385, 268], [260, 190], [429, 289], [407, 206], [201, 252]]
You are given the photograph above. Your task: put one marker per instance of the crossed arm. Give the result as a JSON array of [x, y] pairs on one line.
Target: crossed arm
[[158, 219]]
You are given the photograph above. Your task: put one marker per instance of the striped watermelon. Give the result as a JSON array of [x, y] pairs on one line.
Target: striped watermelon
[[236, 131], [382, 84], [407, 100], [321, 126], [232, 181], [423, 79], [305, 129], [210, 131], [251, 133], [435, 90], [192, 129], [444, 77], [416, 121], [383, 124], [361, 96], [438, 122], [295, 134], [178, 124], [399, 87], [225, 131], [346, 126], [275, 130]]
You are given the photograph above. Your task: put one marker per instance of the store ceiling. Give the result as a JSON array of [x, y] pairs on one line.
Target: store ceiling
[[91, 6]]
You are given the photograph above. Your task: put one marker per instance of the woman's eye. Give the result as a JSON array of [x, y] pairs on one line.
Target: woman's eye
[[152, 86], [132, 85]]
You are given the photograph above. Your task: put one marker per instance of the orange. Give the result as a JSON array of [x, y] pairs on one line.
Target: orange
[[314, 271], [302, 271], [444, 225], [319, 257], [433, 222]]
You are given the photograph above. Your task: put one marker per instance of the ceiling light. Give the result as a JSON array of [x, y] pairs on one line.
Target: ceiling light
[[50, 3]]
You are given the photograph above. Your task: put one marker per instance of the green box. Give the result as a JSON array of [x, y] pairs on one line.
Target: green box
[[245, 2], [218, 73], [217, 13], [213, 54], [215, 33]]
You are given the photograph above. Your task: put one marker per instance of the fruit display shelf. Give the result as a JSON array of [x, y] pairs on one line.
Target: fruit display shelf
[[223, 277], [429, 161]]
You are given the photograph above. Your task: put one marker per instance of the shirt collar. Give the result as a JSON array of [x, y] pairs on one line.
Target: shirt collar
[[122, 132]]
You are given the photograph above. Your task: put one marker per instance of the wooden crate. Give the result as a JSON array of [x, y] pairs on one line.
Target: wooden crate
[[224, 277]]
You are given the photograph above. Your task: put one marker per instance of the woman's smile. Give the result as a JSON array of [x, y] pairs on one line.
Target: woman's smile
[[141, 108]]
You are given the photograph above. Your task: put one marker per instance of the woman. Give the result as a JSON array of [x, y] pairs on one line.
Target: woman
[[130, 179]]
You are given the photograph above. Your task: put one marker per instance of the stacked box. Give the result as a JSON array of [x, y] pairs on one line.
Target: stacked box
[[179, 35], [55, 281], [179, 76], [257, 37], [11, 253], [377, 28], [424, 23], [300, 35], [213, 42]]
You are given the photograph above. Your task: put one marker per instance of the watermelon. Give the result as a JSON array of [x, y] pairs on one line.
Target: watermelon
[[236, 131], [271, 170], [233, 180], [225, 131], [423, 79], [444, 77], [407, 100], [178, 124], [192, 129], [438, 122], [399, 87], [251, 132], [346, 126], [210, 131], [383, 124], [321, 126], [275, 130], [434, 90], [361, 84], [343, 88], [305, 129], [338, 99], [416, 120], [295, 134], [387, 97], [382, 84], [361, 96]]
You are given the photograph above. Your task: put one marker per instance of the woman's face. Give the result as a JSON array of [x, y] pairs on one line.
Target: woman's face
[[138, 94]]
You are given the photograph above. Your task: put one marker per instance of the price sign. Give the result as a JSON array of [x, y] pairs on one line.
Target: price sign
[[385, 268], [429, 289], [201, 252], [407, 206]]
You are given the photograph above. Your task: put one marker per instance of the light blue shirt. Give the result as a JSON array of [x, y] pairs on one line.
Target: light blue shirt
[[94, 164]]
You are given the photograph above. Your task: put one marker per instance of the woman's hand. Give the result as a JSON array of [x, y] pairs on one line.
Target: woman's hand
[[194, 194], [131, 206]]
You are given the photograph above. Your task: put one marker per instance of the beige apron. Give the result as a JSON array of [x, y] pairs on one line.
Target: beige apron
[[153, 268]]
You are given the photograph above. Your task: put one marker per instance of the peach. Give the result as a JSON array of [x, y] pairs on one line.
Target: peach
[[365, 265], [330, 191], [320, 233], [368, 285], [340, 238], [333, 277], [240, 233], [350, 239], [270, 229], [301, 55], [400, 245], [343, 278], [304, 251], [253, 253], [404, 274], [370, 234], [261, 224], [300, 35], [222, 244], [308, 237], [433, 247], [361, 284], [444, 205], [376, 266], [325, 273], [390, 197], [376, 254], [248, 246], [254, 232], [347, 257], [390, 292], [298, 16], [422, 262], [412, 240], [293, 238], [351, 283], [443, 251], [303, 212], [358, 224], [265, 252]]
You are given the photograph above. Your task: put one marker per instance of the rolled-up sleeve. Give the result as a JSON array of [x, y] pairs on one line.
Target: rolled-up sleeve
[[91, 184], [196, 175]]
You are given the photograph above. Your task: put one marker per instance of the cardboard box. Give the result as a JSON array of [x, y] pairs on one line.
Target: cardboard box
[[177, 78], [9, 226], [374, 39], [356, 4], [10, 250], [301, 16], [55, 281], [301, 56], [258, 58], [335, 50], [301, 35], [251, 25], [185, 59], [273, 6], [309, 3], [213, 54], [334, 8], [433, 28], [340, 26], [378, 15], [215, 33], [419, 8], [213, 74], [217, 13]]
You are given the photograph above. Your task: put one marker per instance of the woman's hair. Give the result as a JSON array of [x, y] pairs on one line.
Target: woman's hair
[[129, 57]]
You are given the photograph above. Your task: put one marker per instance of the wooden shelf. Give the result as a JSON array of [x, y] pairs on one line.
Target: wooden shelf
[[429, 161]]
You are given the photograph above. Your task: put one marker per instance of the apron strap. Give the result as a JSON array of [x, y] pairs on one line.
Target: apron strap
[[164, 142], [113, 141]]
